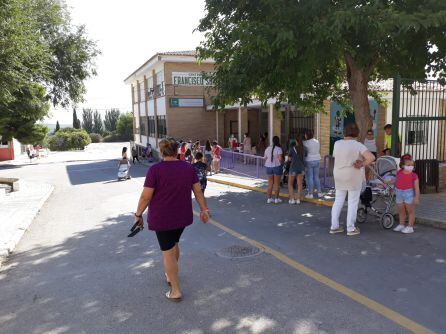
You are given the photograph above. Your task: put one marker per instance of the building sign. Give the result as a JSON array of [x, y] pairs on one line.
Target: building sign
[[184, 102], [190, 79]]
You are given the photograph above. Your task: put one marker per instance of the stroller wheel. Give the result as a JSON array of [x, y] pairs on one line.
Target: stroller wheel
[[387, 221], [361, 216]]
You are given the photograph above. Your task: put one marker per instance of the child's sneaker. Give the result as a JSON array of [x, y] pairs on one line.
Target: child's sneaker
[[278, 200], [399, 228], [407, 230], [309, 196], [269, 201], [297, 201], [292, 201]]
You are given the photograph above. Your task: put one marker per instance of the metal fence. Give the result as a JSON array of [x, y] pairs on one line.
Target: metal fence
[[419, 113], [243, 164]]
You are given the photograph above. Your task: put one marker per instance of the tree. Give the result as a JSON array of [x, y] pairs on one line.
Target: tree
[[97, 122], [39, 46], [57, 127], [87, 120], [125, 126], [304, 52], [31, 102], [76, 121], [111, 119]]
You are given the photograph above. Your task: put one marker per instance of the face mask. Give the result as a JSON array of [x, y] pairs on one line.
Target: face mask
[[408, 168]]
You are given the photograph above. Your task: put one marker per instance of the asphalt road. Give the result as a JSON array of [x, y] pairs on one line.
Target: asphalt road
[[75, 270]]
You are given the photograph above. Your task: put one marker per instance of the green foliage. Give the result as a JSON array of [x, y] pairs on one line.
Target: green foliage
[[76, 121], [87, 120], [113, 137], [96, 137], [97, 122], [37, 136], [69, 139], [31, 102], [111, 119], [40, 49], [304, 52], [57, 127], [125, 126]]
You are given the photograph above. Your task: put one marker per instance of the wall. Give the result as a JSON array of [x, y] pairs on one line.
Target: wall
[[443, 176], [188, 123]]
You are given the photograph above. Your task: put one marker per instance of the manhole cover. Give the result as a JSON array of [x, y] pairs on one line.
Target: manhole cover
[[237, 251]]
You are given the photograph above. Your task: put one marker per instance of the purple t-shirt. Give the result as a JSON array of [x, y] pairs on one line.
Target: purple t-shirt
[[171, 204]]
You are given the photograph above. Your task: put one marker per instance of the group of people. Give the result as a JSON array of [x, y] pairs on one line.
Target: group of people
[[304, 158]]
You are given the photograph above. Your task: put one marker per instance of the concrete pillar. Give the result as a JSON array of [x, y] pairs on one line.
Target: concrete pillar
[[271, 123], [217, 132], [244, 123]]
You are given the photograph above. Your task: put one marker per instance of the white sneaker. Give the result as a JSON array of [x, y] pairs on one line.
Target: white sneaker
[[291, 201], [399, 228], [309, 196], [320, 195], [269, 201], [278, 200], [407, 230], [297, 201]]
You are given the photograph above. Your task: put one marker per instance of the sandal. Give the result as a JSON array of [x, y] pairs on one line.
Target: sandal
[[176, 300]]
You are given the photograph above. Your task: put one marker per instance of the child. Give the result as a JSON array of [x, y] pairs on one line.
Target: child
[[407, 191], [188, 156], [201, 170]]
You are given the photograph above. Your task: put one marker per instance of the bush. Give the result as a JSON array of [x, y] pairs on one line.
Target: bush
[[95, 137], [106, 133], [125, 126], [114, 137], [69, 139]]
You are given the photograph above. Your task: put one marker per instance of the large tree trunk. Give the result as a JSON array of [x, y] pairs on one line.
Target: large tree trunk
[[358, 81]]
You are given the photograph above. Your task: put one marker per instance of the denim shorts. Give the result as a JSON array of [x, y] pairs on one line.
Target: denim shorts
[[276, 171], [295, 172], [404, 196]]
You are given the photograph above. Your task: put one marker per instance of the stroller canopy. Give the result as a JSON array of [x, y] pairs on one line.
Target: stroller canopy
[[386, 165]]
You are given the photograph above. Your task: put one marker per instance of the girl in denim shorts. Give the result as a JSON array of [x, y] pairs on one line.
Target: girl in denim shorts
[[407, 192]]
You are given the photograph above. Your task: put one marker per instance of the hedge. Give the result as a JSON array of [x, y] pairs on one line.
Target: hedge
[[69, 139]]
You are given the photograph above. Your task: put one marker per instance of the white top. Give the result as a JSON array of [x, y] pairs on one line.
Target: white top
[[371, 145], [313, 149], [345, 153], [276, 156]]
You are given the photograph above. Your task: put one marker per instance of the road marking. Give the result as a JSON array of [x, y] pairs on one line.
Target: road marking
[[385, 311]]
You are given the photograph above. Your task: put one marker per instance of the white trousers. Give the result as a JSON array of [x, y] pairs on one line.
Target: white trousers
[[353, 202]]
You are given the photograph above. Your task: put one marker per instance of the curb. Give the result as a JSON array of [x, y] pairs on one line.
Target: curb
[[263, 191], [431, 223], [5, 252]]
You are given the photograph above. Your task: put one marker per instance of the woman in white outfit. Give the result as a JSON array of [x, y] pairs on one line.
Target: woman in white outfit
[[351, 157]]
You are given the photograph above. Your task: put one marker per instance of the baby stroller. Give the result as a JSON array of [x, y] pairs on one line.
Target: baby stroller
[[123, 170], [378, 197]]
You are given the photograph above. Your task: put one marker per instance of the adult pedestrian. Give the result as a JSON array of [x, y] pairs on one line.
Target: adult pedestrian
[[247, 145], [208, 155], [370, 142], [296, 172], [351, 157], [216, 156], [312, 164], [135, 154], [124, 154], [167, 194], [273, 163]]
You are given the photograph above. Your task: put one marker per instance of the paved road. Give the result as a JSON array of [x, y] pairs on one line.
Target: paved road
[[75, 271]]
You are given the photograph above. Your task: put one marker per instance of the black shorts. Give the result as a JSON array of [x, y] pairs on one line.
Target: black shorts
[[168, 239]]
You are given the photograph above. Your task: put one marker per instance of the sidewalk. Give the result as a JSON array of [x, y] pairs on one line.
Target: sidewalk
[[17, 211], [430, 212]]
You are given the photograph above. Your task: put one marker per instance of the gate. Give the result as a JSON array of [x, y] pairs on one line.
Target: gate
[[419, 126]]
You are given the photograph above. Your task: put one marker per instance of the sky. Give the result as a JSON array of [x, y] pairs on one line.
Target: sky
[[128, 33]]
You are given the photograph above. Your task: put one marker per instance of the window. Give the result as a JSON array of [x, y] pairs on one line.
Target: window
[[416, 133], [3, 143], [151, 123], [150, 90], [159, 89], [162, 131]]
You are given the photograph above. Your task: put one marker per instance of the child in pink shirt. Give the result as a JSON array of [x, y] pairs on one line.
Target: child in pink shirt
[[407, 190]]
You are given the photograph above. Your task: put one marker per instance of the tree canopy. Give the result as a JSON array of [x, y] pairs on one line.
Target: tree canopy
[[125, 126], [87, 120], [43, 57], [111, 119], [304, 52], [97, 122]]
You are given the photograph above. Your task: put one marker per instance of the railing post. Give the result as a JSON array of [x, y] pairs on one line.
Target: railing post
[[257, 168]]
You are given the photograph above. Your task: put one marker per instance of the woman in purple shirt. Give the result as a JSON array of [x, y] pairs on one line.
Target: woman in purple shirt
[[167, 194]]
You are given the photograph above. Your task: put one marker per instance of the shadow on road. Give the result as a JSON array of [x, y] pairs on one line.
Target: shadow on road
[[102, 171]]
